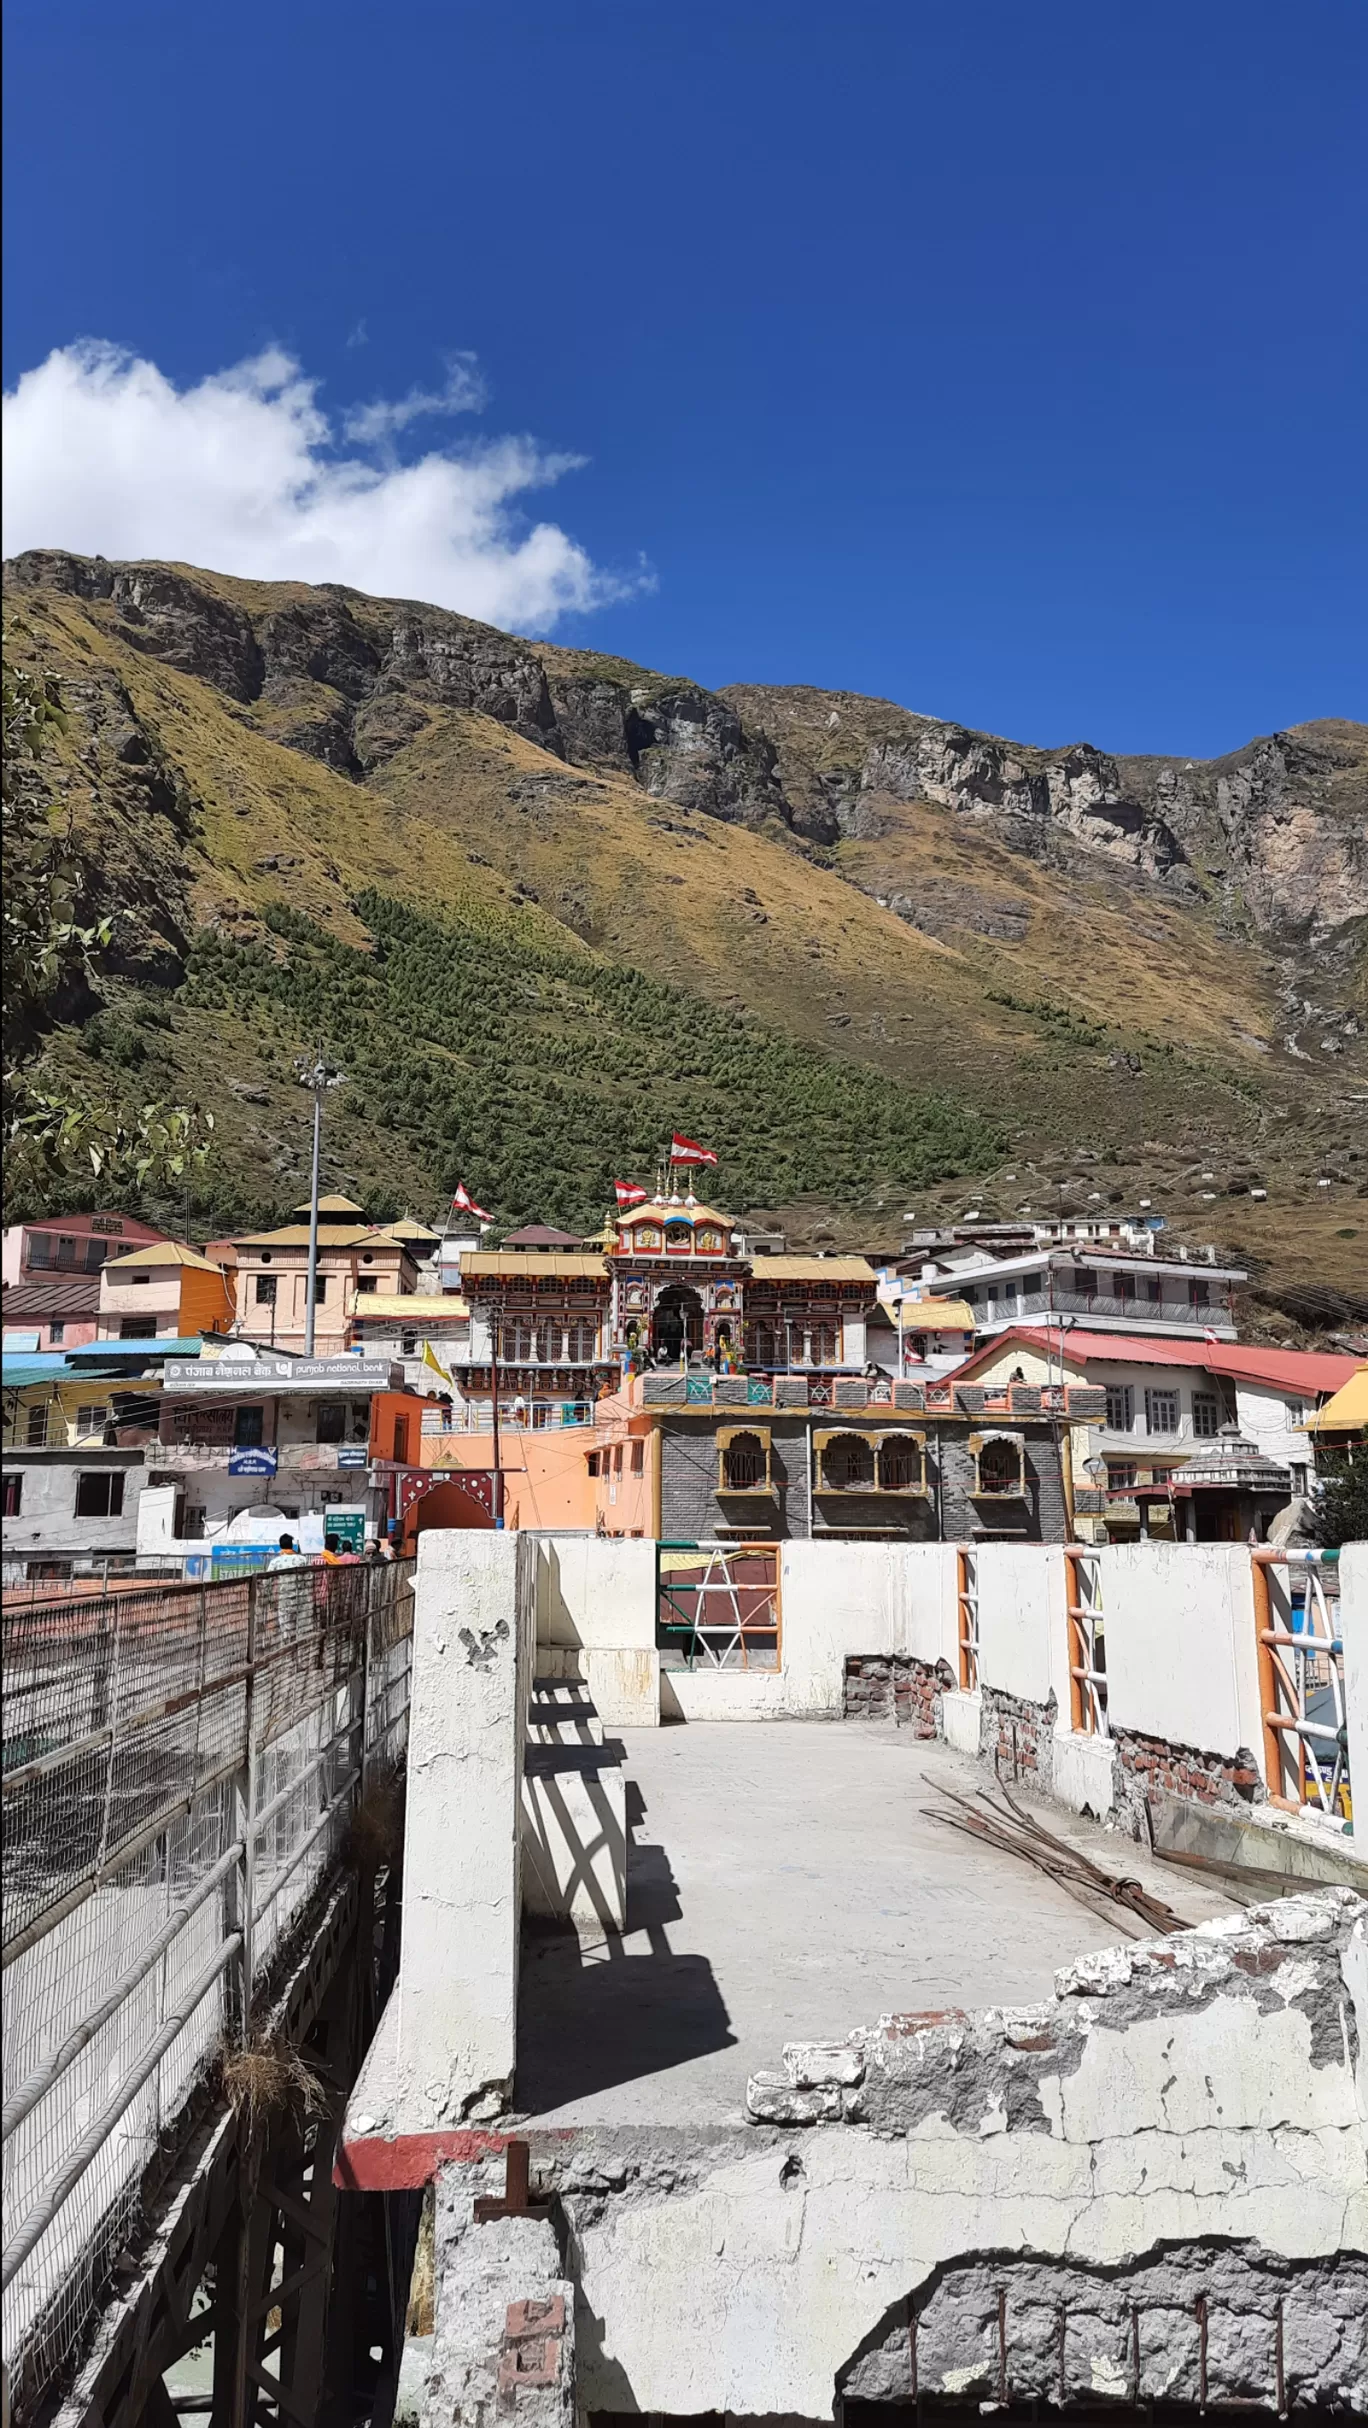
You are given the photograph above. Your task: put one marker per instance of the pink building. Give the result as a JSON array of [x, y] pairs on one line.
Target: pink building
[[51, 1272]]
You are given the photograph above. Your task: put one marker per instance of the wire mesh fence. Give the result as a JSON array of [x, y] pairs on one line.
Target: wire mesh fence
[[180, 1769]]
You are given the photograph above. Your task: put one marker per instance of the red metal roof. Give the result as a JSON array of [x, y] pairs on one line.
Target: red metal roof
[[1306, 1372]]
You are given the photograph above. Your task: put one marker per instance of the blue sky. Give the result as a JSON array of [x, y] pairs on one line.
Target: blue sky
[[1004, 360]]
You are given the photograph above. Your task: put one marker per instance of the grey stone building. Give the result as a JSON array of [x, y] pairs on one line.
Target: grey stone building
[[898, 1461]]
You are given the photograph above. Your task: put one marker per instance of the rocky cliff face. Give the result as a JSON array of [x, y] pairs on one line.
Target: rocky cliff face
[[1280, 826], [346, 678], [1277, 833]]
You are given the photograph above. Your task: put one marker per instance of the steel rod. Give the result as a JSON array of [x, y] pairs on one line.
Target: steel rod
[[328, 1814]]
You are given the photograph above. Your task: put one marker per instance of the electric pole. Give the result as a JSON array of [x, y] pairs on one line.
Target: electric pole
[[316, 1075]]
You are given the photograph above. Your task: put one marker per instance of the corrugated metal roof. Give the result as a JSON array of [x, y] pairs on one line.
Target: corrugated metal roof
[[493, 1265], [1348, 1408], [46, 1298], [18, 1373], [1304, 1371]]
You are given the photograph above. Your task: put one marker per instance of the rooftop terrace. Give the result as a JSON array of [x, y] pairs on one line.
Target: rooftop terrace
[[783, 1883]]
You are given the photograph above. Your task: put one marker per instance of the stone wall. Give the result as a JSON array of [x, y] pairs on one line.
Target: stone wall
[[1016, 1737], [1150, 1767], [896, 1688], [693, 1511]]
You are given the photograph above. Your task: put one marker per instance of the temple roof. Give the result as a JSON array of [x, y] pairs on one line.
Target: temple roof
[[496, 1264]]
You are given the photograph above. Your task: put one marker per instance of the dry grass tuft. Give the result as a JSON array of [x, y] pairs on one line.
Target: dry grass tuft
[[376, 1832], [268, 2077]]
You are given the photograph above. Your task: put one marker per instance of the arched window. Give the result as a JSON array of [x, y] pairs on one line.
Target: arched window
[[846, 1462], [900, 1463], [708, 1240], [678, 1238], [743, 1462], [1001, 1467]]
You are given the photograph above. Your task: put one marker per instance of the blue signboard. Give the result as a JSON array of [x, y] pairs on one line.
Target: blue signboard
[[352, 1454], [252, 1462]]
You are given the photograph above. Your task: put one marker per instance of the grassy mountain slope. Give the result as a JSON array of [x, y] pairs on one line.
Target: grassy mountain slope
[[930, 1009]]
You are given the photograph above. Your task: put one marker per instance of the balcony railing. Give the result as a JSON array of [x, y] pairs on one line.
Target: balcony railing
[[533, 1416], [1098, 1305]]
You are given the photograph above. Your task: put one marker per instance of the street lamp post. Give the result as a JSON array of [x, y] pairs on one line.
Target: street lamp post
[[316, 1075]]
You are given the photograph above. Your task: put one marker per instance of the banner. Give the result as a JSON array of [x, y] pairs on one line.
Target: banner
[[688, 1150], [628, 1194], [465, 1204]]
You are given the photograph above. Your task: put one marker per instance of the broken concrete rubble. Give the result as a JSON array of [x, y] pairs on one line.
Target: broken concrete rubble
[[1151, 2185]]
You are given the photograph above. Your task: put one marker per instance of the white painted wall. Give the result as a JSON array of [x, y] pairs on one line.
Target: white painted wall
[[840, 1598], [1023, 1647], [574, 1848], [157, 1519], [596, 1590], [1353, 1572], [1182, 1661], [1272, 1419], [458, 1985], [623, 1682]]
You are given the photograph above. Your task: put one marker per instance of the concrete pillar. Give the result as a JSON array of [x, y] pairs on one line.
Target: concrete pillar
[[504, 2338], [458, 1987]]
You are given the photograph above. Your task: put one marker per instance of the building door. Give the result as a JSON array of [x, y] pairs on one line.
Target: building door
[[678, 1322]]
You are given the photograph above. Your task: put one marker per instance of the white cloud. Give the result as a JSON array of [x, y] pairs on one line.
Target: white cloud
[[242, 474], [464, 393]]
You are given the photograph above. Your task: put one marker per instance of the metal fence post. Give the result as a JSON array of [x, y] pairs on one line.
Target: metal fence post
[[247, 1795]]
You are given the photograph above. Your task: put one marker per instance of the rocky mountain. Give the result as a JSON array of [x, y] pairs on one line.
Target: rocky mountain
[[1176, 945], [1276, 834]]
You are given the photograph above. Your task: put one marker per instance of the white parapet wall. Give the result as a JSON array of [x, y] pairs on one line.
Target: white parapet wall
[[1182, 1661], [596, 1613], [458, 1988], [1023, 1643], [1353, 1575], [1182, 1652]]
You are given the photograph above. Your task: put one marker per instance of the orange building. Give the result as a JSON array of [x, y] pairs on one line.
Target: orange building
[[163, 1291]]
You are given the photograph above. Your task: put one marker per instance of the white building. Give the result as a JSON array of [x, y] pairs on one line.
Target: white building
[[1124, 1287], [1166, 1402]]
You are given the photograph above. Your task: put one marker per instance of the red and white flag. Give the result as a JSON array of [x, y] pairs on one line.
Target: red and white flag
[[628, 1194], [688, 1150], [464, 1203]]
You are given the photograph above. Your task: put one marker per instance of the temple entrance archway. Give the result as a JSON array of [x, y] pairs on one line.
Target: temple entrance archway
[[678, 1321]]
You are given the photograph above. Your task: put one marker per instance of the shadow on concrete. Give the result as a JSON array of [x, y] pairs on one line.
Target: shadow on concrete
[[593, 2013]]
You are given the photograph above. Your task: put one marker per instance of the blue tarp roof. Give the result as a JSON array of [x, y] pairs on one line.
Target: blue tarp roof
[[91, 1360], [177, 1345], [15, 1372]]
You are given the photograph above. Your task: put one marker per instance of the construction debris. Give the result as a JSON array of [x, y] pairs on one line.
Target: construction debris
[[1017, 1832]]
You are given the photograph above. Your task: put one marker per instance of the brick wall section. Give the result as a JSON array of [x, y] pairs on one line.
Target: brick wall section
[[1150, 1767], [896, 1688], [1016, 1737]]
